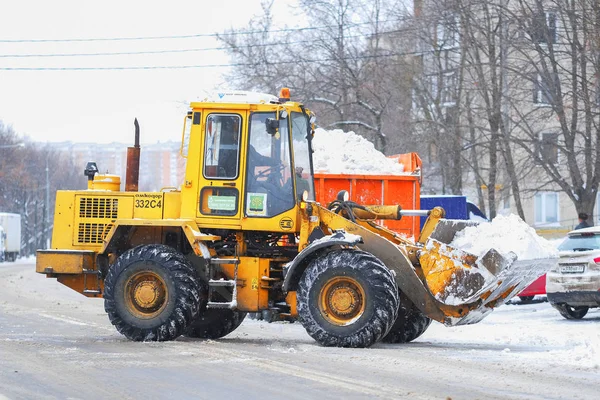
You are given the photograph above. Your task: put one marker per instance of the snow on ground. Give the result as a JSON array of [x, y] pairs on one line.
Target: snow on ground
[[505, 234], [518, 351], [532, 334], [339, 152], [528, 337]]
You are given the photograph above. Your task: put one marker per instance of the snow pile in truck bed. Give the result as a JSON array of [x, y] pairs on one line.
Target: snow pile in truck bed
[[504, 233], [339, 152]]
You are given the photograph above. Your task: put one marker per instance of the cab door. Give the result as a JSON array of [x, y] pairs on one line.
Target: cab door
[[221, 166]]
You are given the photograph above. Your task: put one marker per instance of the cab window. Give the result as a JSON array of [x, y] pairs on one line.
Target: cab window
[[222, 146], [269, 188]]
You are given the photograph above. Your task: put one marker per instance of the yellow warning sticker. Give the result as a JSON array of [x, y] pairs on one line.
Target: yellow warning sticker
[[254, 284]]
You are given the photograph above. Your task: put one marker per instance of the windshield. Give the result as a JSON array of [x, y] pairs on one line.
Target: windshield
[[269, 190], [582, 242], [302, 155]]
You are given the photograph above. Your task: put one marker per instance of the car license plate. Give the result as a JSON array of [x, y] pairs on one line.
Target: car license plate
[[572, 268]]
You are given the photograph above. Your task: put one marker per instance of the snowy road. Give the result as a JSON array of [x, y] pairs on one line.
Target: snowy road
[[54, 343]]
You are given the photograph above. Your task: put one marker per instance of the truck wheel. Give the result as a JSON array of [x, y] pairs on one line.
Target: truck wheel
[[214, 323], [571, 312], [347, 298], [410, 323], [152, 293], [526, 299]]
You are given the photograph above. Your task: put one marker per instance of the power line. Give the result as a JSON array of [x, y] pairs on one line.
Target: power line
[[132, 38], [158, 51], [167, 51], [155, 67], [128, 53], [192, 36]]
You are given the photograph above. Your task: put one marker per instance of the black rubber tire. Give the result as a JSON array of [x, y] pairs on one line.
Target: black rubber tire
[[214, 323], [186, 293], [526, 299], [381, 298], [571, 312], [409, 325]]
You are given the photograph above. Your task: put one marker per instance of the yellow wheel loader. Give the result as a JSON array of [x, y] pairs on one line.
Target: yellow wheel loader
[[244, 234]]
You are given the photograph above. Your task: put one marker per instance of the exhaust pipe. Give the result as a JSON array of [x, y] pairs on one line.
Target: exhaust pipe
[[132, 175]]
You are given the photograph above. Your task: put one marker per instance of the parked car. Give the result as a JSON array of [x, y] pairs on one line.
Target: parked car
[[537, 287], [573, 286]]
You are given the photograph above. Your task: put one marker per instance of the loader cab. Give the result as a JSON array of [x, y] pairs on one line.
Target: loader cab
[[251, 160]]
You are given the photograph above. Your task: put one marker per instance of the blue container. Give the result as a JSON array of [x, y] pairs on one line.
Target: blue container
[[456, 207]]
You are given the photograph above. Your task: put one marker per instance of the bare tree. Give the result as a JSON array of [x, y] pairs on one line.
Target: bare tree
[[558, 56], [438, 94], [467, 62], [342, 67], [486, 49], [25, 185]]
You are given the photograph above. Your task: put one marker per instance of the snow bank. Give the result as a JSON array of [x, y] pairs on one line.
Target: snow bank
[[504, 233], [339, 152]]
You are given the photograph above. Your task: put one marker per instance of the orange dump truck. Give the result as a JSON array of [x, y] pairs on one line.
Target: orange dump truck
[[403, 190]]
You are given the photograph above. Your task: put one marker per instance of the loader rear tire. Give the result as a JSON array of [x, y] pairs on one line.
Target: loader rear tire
[[152, 293], [409, 325], [347, 298], [214, 323]]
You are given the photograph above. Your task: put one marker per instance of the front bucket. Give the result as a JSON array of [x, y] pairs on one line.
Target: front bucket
[[474, 285]]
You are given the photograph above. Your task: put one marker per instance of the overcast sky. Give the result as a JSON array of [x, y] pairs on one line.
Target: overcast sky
[[99, 106]]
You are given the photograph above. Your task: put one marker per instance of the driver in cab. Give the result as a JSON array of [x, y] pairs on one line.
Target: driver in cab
[[266, 173]]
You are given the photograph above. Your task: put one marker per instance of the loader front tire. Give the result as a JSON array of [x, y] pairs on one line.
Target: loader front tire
[[409, 325], [347, 298], [214, 323], [152, 293]]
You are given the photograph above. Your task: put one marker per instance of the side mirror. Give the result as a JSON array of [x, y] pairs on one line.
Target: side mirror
[[272, 126]]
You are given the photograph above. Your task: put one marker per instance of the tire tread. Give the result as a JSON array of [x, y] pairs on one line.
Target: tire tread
[[385, 298], [189, 293]]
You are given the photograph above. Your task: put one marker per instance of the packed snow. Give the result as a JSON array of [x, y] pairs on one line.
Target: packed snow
[[505, 234], [520, 351], [339, 152], [508, 235]]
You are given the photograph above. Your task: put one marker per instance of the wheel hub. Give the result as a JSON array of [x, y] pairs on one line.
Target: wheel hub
[[342, 300], [146, 294]]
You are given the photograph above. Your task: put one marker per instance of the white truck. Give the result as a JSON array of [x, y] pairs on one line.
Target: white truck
[[2, 235], [10, 244]]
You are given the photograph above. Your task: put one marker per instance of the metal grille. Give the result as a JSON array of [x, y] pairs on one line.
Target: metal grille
[[92, 233], [96, 215], [97, 207]]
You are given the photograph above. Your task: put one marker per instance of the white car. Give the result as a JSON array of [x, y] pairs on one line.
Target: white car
[[573, 286]]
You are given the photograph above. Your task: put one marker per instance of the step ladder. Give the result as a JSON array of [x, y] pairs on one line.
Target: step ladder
[[217, 283], [91, 272]]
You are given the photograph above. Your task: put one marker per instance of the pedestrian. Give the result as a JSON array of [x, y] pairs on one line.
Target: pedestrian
[[583, 217]]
